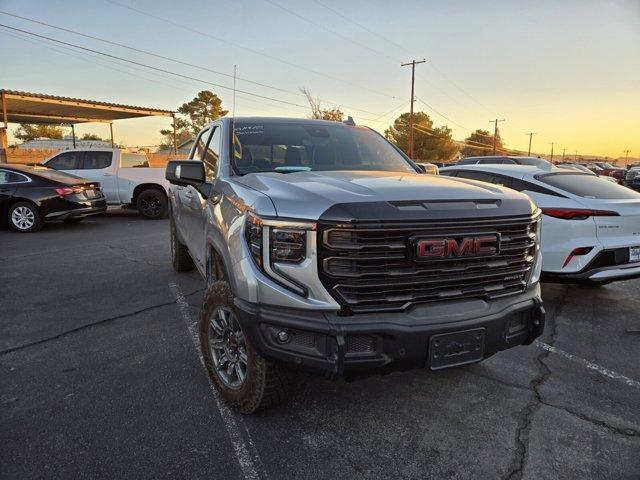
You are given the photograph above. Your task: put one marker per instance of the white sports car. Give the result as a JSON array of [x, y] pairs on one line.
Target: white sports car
[[590, 227]]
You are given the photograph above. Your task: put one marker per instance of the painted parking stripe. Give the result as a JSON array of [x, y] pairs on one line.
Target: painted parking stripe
[[241, 448], [590, 365]]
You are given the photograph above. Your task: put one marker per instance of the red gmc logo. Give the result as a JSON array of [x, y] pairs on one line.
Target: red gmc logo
[[450, 247]]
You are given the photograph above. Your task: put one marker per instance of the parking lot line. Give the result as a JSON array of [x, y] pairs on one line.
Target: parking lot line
[[590, 365], [241, 448]]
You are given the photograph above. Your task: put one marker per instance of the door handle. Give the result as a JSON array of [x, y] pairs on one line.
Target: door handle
[[106, 174]]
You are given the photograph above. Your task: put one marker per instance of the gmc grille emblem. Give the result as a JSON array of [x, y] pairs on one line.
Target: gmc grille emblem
[[483, 246]]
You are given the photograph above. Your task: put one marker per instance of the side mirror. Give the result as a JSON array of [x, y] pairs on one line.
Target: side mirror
[[188, 172], [421, 167], [185, 172]]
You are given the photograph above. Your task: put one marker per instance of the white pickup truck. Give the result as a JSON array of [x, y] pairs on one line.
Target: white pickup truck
[[126, 178]]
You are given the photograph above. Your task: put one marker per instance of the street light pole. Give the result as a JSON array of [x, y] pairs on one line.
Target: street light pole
[[552, 144]]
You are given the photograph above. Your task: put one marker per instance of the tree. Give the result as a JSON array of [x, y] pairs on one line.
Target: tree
[[205, 107], [29, 131], [317, 112], [429, 143], [480, 144], [92, 136]]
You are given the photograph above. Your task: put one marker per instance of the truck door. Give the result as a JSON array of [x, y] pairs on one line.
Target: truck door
[[185, 200], [197, 215], [97, 166]]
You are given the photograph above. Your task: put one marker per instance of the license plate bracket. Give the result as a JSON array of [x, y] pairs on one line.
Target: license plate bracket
[[634, 254], [457, 348]]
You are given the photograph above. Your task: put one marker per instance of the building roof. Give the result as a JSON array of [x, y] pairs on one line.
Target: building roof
[[27, 107]]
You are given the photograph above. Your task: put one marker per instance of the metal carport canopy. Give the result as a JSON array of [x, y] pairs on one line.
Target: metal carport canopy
[[26, 107]]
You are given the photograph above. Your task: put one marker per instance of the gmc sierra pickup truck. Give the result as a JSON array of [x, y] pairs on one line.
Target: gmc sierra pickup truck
[[325, 249]]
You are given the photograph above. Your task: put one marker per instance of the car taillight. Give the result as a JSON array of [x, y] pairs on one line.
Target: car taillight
[[577, 213], [575, 253], [68, 190]]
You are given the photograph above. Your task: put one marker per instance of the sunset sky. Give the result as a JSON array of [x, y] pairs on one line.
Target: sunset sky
[[569, 71]]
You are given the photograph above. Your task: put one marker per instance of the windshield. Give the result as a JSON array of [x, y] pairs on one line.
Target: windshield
[[588, 186], [535, 162], [287, 147], [607, 165]]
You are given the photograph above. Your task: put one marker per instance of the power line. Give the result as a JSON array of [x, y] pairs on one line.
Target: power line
[[248, 49], [149, 66], [364, 27], [181, 62], [431, 64], [329, 30]]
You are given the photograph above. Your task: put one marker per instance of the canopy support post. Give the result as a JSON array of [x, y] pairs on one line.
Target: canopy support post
[[4, 143], [111, 130], [73, 135], [175, 140]]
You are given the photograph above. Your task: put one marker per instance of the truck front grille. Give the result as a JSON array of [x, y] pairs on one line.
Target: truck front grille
[[372, 267]]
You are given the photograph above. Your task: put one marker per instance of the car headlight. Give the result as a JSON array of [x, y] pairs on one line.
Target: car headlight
[[536, 270], [278, 246]]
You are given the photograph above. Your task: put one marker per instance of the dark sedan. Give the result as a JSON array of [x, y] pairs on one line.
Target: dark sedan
[[31, 195]]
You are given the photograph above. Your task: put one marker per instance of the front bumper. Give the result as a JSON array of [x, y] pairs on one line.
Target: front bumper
[[350, 346], [596, 275]]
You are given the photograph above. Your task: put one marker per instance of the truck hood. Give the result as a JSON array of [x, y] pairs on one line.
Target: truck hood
[[309, 195]]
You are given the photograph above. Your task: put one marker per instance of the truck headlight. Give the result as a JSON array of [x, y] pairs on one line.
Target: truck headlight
[[289, 246], [278, 247]]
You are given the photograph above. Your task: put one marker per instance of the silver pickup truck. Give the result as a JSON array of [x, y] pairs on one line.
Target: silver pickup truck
[[326, 249]]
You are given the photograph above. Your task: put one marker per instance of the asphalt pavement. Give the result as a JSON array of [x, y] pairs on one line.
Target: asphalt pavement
[[100, 378]]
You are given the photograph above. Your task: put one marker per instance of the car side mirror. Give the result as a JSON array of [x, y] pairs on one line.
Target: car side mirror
[[422, 168], [188, 172]]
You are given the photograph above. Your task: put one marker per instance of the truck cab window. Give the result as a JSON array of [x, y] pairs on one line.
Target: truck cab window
[[211, 156], [66, 161], [200, 145], [134, 160], [96, 160]]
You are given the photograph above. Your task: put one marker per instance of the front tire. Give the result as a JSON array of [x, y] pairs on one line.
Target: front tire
[[152, 203], [246, 381], [24, 217]]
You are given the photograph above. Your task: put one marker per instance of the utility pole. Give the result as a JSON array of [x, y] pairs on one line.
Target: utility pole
[[575, 158], [563, 150], [531, 134], [413, 64], [495, 133], [626, 156], [552, 144]]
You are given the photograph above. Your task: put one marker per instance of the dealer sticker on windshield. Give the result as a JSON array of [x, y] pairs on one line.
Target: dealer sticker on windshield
[[634, 254]]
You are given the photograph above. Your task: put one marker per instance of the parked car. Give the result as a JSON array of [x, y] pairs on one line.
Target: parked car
[[505, 160], [611, 171], [126, 178], [581, 168], [631, 175], [590, 227], [427, 167], [30, 196], [326, 249]]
